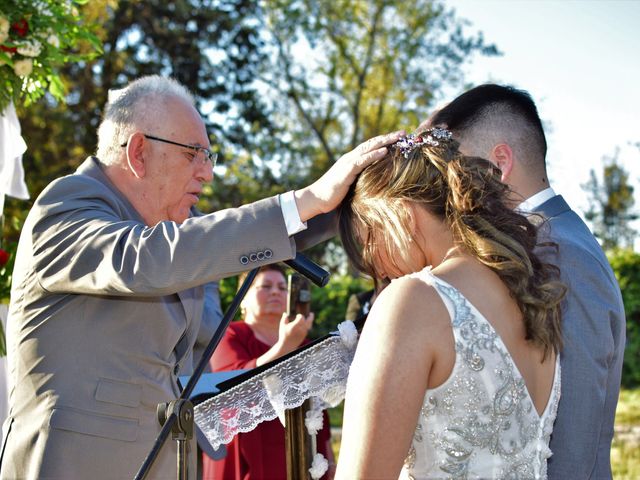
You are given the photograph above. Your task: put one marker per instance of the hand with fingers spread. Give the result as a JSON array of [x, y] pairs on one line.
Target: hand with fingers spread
[[328, 191]]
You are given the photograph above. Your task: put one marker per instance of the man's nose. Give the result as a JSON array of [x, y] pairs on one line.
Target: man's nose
[[205, 172]]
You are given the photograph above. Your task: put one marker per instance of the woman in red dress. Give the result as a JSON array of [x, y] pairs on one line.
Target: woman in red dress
[[264, 335]]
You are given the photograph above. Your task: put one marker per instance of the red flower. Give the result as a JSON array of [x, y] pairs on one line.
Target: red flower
[[9, 49], [4, 257], [21, 27]]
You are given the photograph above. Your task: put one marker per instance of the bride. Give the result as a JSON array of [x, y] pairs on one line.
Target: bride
[[457, 372]]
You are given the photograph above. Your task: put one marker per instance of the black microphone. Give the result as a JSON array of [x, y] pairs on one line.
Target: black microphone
[[314, 272]]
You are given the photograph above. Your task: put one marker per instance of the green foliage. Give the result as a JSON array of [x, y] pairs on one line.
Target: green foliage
[[611, 204], [330, 303], [342, 71], [626, 265], [36, 39]]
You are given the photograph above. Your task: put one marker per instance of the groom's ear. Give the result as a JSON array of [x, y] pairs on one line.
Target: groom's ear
[[502, 157]]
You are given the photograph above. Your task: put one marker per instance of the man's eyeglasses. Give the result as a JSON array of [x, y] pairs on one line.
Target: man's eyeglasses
[[208, 155]]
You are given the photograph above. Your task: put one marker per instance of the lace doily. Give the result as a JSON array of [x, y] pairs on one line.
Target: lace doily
[[318, 371]]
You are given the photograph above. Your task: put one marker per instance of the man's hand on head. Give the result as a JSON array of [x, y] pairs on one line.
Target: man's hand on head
[[326, 193]]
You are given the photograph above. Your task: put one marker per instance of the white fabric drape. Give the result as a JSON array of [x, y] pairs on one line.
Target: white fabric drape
[[12, 147]]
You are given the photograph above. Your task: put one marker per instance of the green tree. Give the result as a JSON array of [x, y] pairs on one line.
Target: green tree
[[212, 49], [340, 72], [611, 202], [626, 265]]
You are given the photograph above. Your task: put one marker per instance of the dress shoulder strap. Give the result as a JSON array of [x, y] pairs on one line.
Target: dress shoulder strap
[[450, 296]]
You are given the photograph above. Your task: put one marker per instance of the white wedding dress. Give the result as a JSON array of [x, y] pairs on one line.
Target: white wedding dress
[[481, 423]]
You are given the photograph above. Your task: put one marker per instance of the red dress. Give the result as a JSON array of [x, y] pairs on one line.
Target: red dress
[[259, 454]]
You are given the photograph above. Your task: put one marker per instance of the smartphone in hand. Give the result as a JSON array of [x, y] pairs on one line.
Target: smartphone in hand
[[299, 298]]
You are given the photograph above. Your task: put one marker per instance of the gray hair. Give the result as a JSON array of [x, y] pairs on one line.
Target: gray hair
[[138, 106]]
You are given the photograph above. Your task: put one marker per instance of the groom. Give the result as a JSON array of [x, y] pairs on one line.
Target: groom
[[501, 124]]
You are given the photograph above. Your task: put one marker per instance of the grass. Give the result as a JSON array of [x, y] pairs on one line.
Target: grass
[[625, 460], [628, 411], [625, 451]]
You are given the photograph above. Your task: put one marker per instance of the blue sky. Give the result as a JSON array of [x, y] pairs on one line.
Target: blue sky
[[580, 60]]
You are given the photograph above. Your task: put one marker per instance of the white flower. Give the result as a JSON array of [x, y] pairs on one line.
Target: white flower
[[30, 48], [23, 67], [4, 26], [53, 40], [273, 385], [319, 466], [313, 421], [348, 333]]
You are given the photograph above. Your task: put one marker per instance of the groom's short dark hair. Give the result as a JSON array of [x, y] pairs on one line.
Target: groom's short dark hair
[[497, 107]]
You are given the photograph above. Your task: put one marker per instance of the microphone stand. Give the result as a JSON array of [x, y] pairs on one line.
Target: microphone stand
[[177, 417]]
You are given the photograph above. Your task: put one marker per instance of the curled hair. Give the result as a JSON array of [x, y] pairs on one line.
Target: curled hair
[[468, 195]]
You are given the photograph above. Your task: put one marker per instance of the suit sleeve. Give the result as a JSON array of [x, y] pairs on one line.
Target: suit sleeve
[[590, 376], [83, 243], [211, 318], [320, 228]]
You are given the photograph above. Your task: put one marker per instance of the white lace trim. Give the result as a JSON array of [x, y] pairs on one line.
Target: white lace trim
[[319, 371]]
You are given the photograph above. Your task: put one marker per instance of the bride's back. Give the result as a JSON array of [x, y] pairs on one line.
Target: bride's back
[[485, 413], [490, 296]]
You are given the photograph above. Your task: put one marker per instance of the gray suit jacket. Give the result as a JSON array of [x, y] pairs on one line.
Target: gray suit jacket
[[591, 361], [104, 314]]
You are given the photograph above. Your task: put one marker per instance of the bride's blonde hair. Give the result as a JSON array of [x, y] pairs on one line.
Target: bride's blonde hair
[[468, 195]]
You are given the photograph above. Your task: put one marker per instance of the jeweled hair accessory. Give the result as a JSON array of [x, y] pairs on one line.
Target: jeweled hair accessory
[[431, 137]]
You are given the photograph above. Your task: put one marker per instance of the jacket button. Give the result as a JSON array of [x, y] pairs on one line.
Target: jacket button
[[268, 253], [260, 255], [253, 257], [244, 259]]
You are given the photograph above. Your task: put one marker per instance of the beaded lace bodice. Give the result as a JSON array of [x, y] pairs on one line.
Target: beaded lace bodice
[[481, 423]]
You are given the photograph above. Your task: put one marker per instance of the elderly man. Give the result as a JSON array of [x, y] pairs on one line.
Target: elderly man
[[109, 284], [501, 124]]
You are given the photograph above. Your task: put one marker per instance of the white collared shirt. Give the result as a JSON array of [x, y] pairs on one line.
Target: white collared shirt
[[291, 214], [534, 201]]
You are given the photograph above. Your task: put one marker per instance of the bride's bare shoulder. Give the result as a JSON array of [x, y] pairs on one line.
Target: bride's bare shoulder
[[409, 305]]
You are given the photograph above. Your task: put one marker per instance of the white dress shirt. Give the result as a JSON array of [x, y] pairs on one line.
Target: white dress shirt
[[534, 201], [291, 214]]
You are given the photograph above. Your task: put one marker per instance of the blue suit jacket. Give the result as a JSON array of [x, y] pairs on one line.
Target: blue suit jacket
[[594, 338]]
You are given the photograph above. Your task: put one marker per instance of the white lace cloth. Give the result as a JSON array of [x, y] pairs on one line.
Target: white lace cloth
[[318, 371]]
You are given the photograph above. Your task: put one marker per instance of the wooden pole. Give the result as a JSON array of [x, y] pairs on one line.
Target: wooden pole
[[298, 443]]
